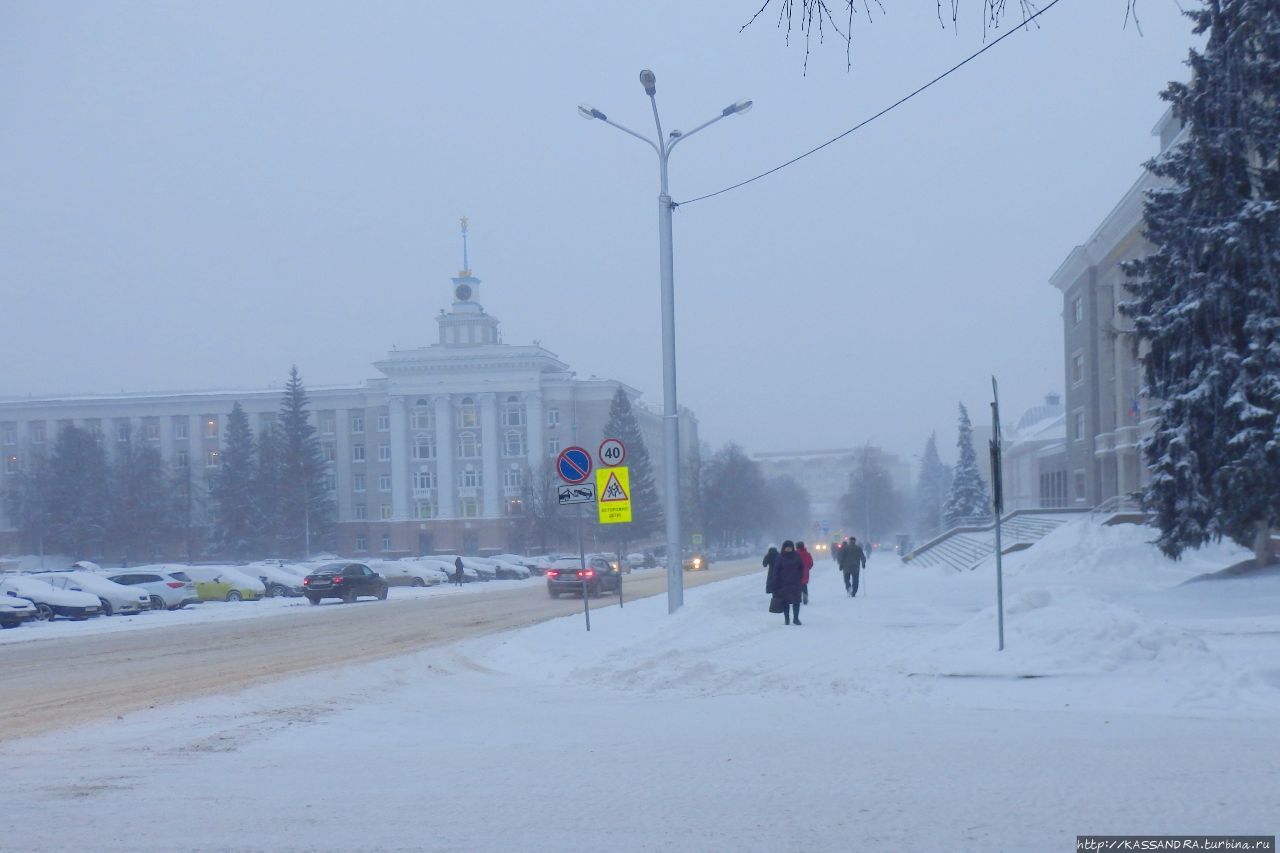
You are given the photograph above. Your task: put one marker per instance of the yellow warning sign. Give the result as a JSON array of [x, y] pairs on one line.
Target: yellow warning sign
[[613, 494]]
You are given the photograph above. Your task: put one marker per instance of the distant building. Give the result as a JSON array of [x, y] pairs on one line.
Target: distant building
[[825, 475], [433, 456]]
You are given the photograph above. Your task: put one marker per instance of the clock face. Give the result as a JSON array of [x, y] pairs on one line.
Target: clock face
[[463, 292]]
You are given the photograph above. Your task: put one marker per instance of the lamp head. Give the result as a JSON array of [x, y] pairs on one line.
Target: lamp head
[[738, 107], [650, 82], [589, 112]]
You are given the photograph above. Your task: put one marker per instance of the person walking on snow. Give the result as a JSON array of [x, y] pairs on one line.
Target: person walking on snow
[[769, 557], [457, 571], [807, 559], [852, 561], [786, 581]]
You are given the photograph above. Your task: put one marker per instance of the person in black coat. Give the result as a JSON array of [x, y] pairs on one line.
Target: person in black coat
[[457, 571], [769, 557], [786, 581]]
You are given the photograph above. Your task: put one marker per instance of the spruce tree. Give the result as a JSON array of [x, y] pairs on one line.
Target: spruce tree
[[646, 510], [306, 511], [78, 495], [231, 492], [140, 503], [1206, 300], [932, 487], [968, 496], [267, 474]]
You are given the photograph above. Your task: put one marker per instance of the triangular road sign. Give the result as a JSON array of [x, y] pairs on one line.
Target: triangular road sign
[[613, 490]]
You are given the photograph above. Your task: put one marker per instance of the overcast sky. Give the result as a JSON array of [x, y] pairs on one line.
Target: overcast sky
[[199, 195]]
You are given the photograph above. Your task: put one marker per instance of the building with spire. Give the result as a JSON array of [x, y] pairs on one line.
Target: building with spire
[[450, 449]]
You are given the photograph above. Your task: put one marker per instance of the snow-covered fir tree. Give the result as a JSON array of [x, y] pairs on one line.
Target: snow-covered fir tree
[[968, 497], [267, 474], [1207, 298], [141, 499], [932, 487], [646, 510], [306, 507], [231, 491]]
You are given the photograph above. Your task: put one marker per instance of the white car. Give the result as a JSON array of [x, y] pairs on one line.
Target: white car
[[469, 573], [507, 570], [484, 569], [115, 598], [635, 561], [15, 610], [277, 579], [409, 573], [168, 586], [50, 602]]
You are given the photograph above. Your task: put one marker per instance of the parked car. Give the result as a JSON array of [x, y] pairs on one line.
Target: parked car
[[446, 565], [502, 570], [596, 579], [169, 588], [409, 573], [49, 601], [347, 581], [539, 565], [485, 570], [636, 561], [223, 583], [276, 578], [114, 597], [15, 610]]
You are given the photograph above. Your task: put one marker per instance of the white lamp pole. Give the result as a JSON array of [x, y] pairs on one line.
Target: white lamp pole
[[671, 412]]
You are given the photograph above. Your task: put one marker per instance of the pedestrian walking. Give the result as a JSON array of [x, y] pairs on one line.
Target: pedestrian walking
[[457, 572], [807, 559], [852, 561], [769, 557], [785, 583]]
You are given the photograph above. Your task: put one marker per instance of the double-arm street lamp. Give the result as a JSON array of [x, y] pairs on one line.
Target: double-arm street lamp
[[671, 413]]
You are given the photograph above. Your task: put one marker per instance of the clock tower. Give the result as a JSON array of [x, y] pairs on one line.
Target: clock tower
[[466, 323]]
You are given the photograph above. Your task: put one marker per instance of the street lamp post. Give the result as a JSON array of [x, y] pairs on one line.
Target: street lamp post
[[670, 412]]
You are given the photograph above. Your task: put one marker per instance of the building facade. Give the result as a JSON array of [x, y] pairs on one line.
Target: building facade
[[437, 454]]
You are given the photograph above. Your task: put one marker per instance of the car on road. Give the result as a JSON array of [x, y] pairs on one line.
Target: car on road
[[114, 598], [223, 583], [50, 602], [595, 580], [14, 610], [697, 563], [347, 581], [169, 588]]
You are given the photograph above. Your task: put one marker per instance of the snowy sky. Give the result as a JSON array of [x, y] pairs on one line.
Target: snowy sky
[[199, 195]]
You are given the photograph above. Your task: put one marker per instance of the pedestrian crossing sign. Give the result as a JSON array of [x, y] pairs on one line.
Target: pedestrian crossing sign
[[613, 494]]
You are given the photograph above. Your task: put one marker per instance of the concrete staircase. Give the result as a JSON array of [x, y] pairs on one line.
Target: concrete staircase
[[963, 547]]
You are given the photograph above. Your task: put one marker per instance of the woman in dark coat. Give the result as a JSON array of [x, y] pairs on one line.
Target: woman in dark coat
[[786, 581]]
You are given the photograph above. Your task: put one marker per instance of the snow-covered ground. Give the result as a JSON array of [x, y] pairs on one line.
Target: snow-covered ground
[[886, 722]]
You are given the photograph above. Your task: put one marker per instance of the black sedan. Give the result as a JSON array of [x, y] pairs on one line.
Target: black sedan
[[595, 580], [347, 581]]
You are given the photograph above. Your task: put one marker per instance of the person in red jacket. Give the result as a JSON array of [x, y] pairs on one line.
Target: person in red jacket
[[807, 560]]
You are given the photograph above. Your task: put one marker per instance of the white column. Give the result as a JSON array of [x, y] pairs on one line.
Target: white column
[[446, 452], [534, 432], [166, 437], [491, 436], [342, 461], [399, 462]]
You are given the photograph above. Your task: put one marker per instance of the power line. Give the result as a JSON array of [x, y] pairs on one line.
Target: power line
[[868, 121]]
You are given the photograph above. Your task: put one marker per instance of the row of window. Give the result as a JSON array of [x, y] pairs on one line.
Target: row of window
[[514, 446], [468, 507]]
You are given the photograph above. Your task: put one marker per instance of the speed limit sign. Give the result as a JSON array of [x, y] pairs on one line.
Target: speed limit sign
[[612, 453]]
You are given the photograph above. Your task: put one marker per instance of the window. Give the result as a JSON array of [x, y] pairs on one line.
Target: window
[[151, 429], [384, 453], [329, 451], [467, 418], [468, 447], [360, 512], [424, 446], [553, 417], [9, 434], [1079, 483], [386, 542], [210, 426], [424, 416], [1077, 311], [358, 482], [357, 453], [469, 479], [513, 478], [330, 483], [470, 508], [357, 423], [1077, 425], [423, 480], [11, 464], [553, 446], [1077, 367], [181, 459], [426, 509], [384, 482], [327, 423], [123, 428], [362, 542], [36, 430], [384, 421], [180, 428], [385, 512], [513, 445], [211, 458], [513, 412]]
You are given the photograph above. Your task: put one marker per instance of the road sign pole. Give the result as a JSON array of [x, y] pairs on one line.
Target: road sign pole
[[582, 561]]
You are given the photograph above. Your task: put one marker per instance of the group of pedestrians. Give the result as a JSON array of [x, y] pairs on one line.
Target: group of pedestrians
[[788, 577]]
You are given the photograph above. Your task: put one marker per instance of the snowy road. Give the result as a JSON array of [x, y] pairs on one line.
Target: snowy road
[[72, 679]]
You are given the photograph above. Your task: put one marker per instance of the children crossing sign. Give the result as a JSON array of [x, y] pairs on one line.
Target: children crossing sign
[[613, 494]]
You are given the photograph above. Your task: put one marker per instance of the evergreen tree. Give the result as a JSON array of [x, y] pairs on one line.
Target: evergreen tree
[[968, 496], [1206, 300], [140, 501], [646, 510], [306, 510], [267, 474], [27, 503], [78, 494], [932, 487], [231, 493]]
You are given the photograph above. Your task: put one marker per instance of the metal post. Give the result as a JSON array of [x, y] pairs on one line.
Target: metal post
[[997, 504], [582, 562], [670, 411]]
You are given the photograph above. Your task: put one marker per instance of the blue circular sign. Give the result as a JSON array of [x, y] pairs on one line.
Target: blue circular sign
[[574, 465]]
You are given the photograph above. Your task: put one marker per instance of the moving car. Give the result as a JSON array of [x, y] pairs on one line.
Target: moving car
[[114, 597], [50, 602], [697, 563], [223, 583], [169, 589], [347, 581], [596, 579]]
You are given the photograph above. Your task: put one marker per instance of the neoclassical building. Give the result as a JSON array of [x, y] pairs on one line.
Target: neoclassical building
[[438, 454]]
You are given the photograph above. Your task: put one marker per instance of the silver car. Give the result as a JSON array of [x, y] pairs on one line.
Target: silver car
[[168, 589]]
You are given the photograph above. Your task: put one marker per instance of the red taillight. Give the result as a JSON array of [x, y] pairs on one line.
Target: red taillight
[[338, 579], [589, 573], [174, 584], [552, 573], [306, 581]]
